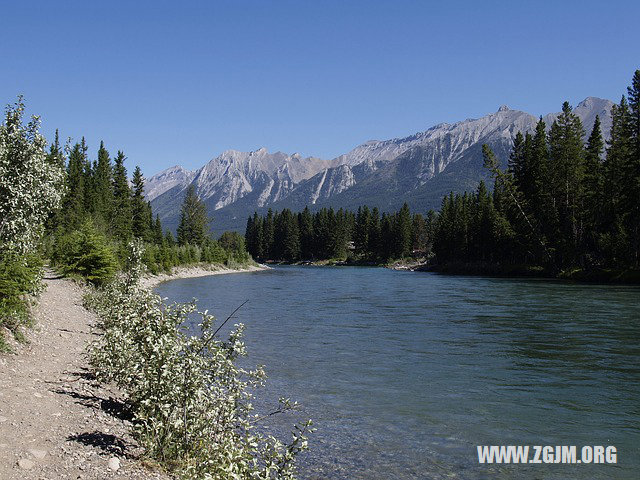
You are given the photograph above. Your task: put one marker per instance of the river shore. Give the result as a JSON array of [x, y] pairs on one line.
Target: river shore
[[56, 420], [195, 271]]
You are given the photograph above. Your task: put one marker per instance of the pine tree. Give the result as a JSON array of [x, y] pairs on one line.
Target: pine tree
[[375, 235], [402, 232], [157, 231], [291, 243], [103, 185], [593, 188], [73, 203], [121, 215], [362, 231], [305, 222], [268, 235], [567, 157], [56, 155], [614, 239], [419, 234], [517, 160], [140, 211], [194, 222], [631, 199]]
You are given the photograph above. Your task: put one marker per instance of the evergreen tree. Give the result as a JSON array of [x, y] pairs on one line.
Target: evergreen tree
[[121, 215], [157, 231], [614, 239], [419, 233], [103, 185], [593, 188], [56, 154], [305, 222], [362, 231], [567, 157], [73, 203], [140, 210], [631, 197], [194, 222], [402, 232], [268, 235], [375, 235]]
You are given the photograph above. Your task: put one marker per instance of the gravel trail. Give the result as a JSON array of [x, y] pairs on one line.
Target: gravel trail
[[56, 422]]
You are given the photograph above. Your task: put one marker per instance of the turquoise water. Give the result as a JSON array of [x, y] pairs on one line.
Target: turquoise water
[[404, 374]]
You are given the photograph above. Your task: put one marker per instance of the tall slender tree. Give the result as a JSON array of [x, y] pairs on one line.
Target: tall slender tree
[[194, 221], [121, 214]]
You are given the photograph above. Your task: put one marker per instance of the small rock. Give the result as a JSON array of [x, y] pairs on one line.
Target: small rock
[[3, 419], [114, 464], [37, 395], [39, 454], [25, 464]]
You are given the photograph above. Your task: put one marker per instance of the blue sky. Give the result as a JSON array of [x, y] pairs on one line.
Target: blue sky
[[179, 82]]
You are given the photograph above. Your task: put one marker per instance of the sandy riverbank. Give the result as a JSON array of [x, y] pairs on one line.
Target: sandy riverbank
[[151, 281]]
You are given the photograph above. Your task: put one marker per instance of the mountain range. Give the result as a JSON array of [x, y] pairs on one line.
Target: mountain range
[[418, 169]]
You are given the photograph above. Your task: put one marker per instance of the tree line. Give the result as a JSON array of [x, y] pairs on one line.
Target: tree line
[[102, 212], [561, 205], [366, 235]]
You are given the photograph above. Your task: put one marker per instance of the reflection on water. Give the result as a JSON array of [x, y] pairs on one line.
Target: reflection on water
[[405, 373]]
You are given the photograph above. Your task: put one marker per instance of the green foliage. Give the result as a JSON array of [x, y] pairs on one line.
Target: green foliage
[[234, 244], [559, 206], [86, 252], [191, 401], [19, 280], [194, 222], [122, 216], [31, 185], [330, 235], [31, 189]]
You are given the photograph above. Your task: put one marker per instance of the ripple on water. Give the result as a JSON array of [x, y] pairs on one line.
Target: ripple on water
[[404, 374]]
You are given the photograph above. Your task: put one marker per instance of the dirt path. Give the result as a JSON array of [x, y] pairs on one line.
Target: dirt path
[[56, 422]]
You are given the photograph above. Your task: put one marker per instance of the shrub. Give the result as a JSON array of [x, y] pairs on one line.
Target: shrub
[[191, 401], [19, 278], [85, 252], [31, 186]]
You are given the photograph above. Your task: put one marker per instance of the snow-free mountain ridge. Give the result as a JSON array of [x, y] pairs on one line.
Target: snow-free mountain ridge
[[419, 169]]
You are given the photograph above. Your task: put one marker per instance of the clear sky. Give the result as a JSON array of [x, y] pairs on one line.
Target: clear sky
[[179, 82]]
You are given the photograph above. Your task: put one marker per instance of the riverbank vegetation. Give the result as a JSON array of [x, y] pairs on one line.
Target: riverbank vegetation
[[191, 404], [362, 237], [102, 212], [78, 215], [31, 189], [562, 207]]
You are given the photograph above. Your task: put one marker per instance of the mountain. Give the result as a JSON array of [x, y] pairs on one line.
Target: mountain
[[259, 177], [419, 169], [166, 180]]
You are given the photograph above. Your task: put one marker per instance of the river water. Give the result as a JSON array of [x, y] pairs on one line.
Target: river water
[[404, 374]]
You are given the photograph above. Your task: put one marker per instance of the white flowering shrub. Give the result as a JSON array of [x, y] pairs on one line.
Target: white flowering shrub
[[30, 186], [31, 189], [191, 401]]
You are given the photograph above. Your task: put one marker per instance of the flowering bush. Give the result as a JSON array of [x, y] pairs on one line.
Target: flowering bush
[[31, 187], [191, 401], [30, 190]]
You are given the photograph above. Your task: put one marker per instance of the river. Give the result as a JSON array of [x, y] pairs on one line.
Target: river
[[404, 374]]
